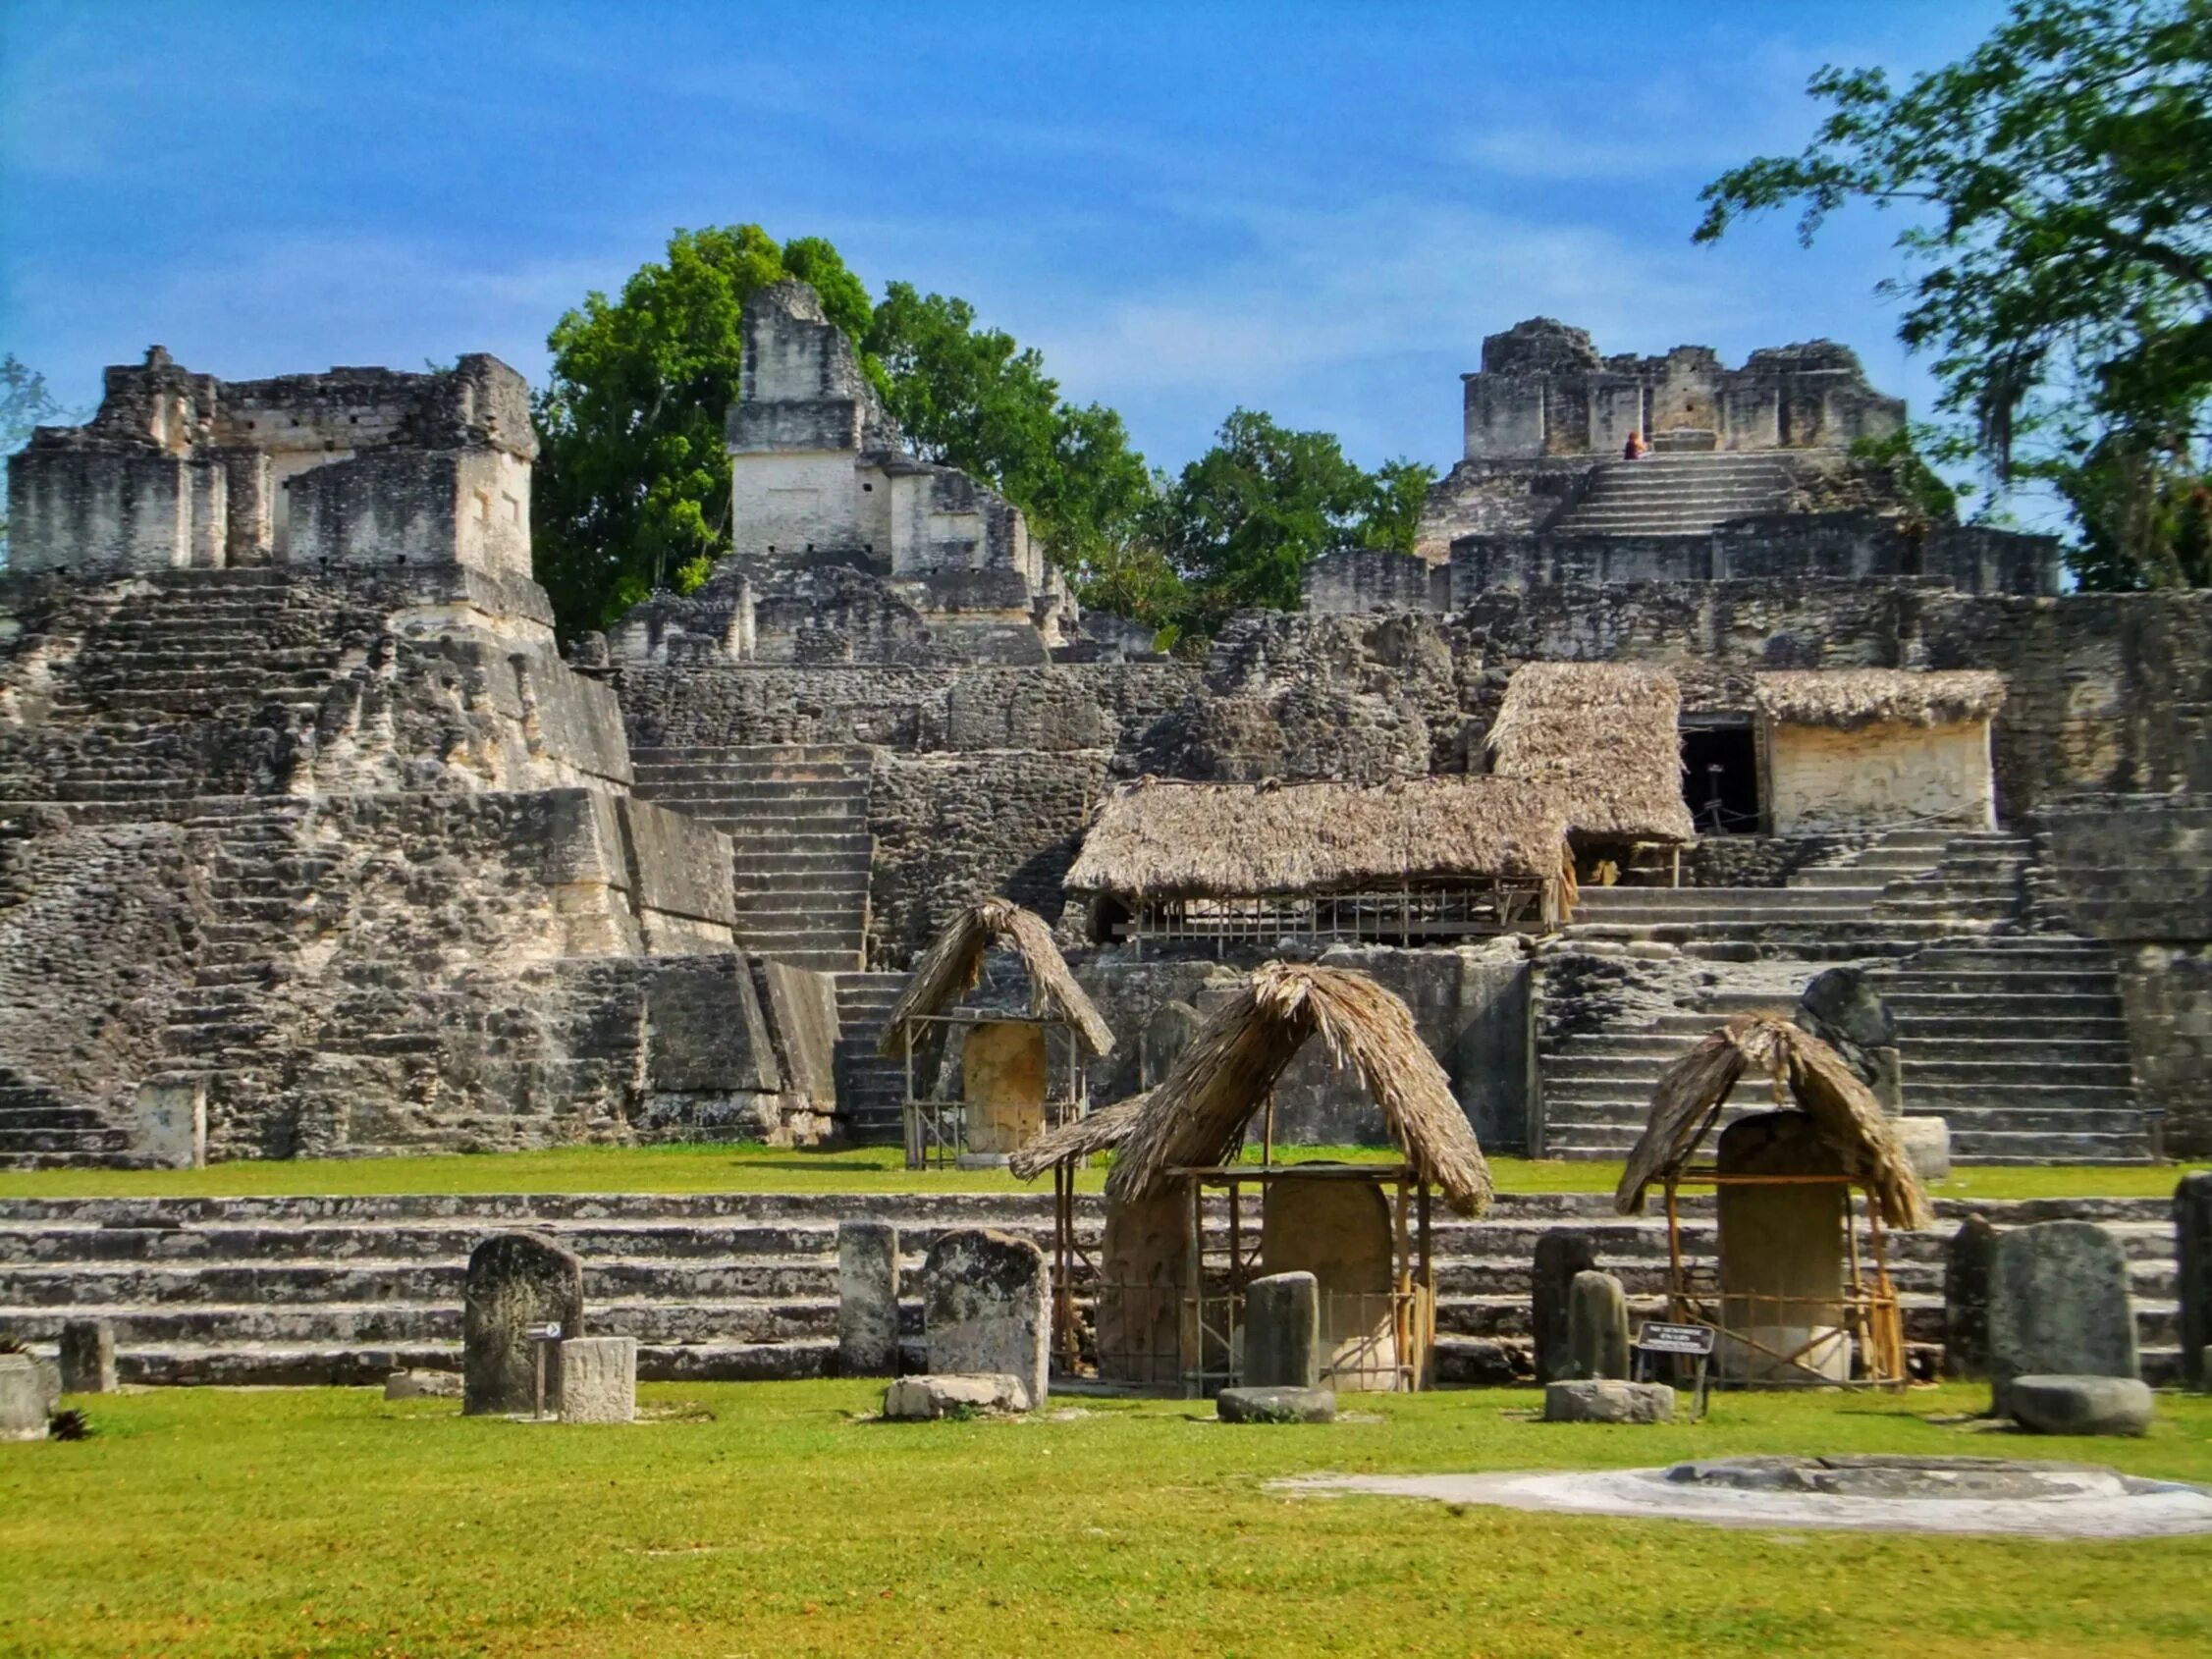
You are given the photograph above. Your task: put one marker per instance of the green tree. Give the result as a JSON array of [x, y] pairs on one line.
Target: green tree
[[1240, 525], [632, 485], [24, 403], [2060, 179], [975, 398]]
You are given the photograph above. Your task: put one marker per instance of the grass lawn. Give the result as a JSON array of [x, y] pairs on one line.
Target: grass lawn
[[769, 1520], [867, 1169]]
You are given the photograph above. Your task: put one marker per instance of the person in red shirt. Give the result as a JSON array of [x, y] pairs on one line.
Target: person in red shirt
[[1633, 448]]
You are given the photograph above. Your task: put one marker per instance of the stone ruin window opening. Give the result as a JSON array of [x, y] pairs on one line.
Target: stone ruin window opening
[[1720, 776]]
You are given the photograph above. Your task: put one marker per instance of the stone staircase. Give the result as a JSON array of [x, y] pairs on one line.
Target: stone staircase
[[871, 1090], [797, 819], [2015, 1038], [40, 1130], [195, 683], [341, 1290], [1676, 495]]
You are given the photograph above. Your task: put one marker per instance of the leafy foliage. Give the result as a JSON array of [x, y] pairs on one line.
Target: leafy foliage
[[632, 487], [24, 403], [2060, 175], [1241, 523]]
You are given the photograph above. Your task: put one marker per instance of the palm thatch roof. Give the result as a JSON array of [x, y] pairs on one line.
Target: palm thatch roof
[[1853, 697], [1099, 1132], [953, 966], [1151, 840], [1686, 1103], [1197, 1117], [1606, 737]]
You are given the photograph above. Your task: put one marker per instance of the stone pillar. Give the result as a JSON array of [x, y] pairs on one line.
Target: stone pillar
[[1282, 1332], [2058, 1307], [1966, 1264], [987, 1308], [515, 1280], [867, 1299], [1782, 1250], [23, 1399], [593, 1378], [1596, 1326], [87, 1356], [2193, 1255], [1561, 1254]]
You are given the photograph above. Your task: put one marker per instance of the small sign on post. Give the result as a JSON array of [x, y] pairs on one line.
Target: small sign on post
[[1696, 1342], [540, 1336]]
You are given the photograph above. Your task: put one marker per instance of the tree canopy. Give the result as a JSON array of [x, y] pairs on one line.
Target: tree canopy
[[2060, 179], [24, 403]]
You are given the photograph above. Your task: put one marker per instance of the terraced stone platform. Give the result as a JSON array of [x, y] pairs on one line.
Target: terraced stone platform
[[741, 1287]]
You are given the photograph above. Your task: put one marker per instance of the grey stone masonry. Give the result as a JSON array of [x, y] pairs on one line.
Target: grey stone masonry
[[743, 1286], [87, 1356], [1598, 1326], [515, 1281], [1282, 1332], [1607, 1400], [1275, 1405], [1967, 1268], [1562, 1254], [925, 1399], [867, 1299], [985, 1297], [593, 1378], [2058, 1307], [2193, 1253], [2080, 1405]]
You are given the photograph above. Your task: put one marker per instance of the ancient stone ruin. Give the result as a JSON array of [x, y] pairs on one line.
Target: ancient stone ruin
[[312, 842]]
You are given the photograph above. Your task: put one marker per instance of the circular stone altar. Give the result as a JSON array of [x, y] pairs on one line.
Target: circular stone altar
[[1870, 1493]]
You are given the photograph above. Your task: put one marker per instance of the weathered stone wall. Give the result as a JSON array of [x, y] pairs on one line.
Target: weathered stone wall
[[2137, 871], [952, 829]]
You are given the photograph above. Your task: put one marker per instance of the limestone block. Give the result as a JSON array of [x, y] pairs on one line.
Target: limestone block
[[867, 1299], [87, 1356], [2079, 1405], [2193, 1261], [1927, 1143], [2058, 1307], [1282, 1332], [986, 1306], [594, 1378], [169, 1123], [924, 1399], [422, 1385], [23, 1399], [1967, 1266], [515, 1280], [1607, 1400], [1275, 1405], [1596, 1326], [1561, 1254]]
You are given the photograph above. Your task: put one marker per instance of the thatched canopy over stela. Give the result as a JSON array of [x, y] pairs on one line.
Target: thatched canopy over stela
[[1099, 1131], [1686, 1099], [1197, 1117], [1155, 840], [952, 966], [1605, 736]]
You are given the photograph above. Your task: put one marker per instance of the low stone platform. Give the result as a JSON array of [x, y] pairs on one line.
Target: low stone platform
[[737, 1287]]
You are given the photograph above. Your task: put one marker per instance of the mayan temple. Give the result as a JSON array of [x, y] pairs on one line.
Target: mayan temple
[[313, 842]]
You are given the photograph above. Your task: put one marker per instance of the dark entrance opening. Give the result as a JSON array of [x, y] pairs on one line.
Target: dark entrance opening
[[1720, 778]]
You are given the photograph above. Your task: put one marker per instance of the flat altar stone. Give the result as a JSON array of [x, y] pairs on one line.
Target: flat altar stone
[[422, 1385], [2080, 1405], [1275, 1405], [1607, 1400], [924, 1399]]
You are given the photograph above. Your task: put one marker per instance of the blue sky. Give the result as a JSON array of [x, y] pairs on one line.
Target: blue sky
[[1318, 210]]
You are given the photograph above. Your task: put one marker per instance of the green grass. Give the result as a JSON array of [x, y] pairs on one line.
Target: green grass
[[870, 1169], [769, 1520]]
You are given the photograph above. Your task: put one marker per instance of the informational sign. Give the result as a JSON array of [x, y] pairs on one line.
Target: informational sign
[[546, 1332], [1658, 1338]]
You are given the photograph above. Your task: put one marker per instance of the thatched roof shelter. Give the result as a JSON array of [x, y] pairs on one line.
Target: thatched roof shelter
[[1197, 1117], [1686, 1103], [1155, 840], [1605, 736], [1848, 698], [1098, 1132], [953, 966]]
